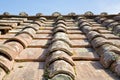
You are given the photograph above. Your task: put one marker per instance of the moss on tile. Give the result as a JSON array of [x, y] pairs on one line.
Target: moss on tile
[[61, 77], [46, 73]]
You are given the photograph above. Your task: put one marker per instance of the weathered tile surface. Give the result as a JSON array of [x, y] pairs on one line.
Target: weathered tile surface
[[85, 45]]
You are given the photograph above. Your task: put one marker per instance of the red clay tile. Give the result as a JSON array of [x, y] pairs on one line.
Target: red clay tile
[[60, 45], [72, 31], [99, 41], [101, 20], [7, 36], [92, 70], [115, 42], [108, 58], [39, 43], [9, 24], [107, 22], [15, 46], [111, 36], [77, 36], [43, 18], [84, 24], [104, 31], [116, 67], [61, 25], [6, 64], [59, 29], [32, 54], [112, 25], [43, 31], [80, 43], [62, 76], [15, 19], [58, 55], [61, 36], [116, 30], [93, 34], [86, 29], [10, 21], [42, 36], [26, 71], [8, 52], [18, 39], [107, 47], [56, 68], [2, 73]]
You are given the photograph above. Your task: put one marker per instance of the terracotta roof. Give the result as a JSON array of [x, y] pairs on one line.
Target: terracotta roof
[[60, 47]]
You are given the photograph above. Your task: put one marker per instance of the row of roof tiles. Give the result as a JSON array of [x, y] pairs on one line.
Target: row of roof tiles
[[61, 44], [108, 52], [59, 54], [88, 13]]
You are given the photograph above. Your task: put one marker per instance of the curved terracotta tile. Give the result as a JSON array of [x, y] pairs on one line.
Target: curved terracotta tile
[[39, 14], [56, 68], [43, 18], [103, 14], [59, 29], [107, 58], [2, 73], [61, 36], [60, 18], [30, 27], [115, 42], [25, 37], [84, 24], [15, 46], [61, 77], [112, 25], [115, 67], [60, 45], [23, 14], [86, 29], [61, 22], [97, 18], [88, 13], [99, 41], [25, 34], [116, 30], [60, 25], [38, 23], [101, 20], [93, 34], [56, 14], [107, 22], [6, 64], [59, 55], [107, 47], [82, 20], [8, 52], [107, 50], [18, 39], [79, 18]]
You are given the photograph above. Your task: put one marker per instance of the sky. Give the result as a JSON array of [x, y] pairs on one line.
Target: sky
[[47, 7]]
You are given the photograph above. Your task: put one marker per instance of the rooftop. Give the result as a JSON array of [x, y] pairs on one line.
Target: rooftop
[[60, 47]]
